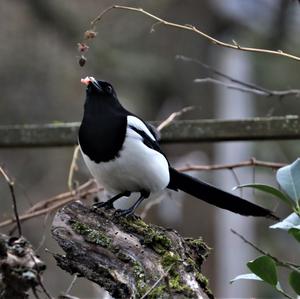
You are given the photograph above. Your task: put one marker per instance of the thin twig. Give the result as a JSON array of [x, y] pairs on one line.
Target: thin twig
[[88, 188], [278, 93], [237, 181], [73, 167], [247, 163], [41, 205], [40, 279], [284, 293], [250, 87], [53, 203], [157, 282], [223, 75], [288, 265], [71, 284], [43, 239], [34, 293], [43, 288], [191, 28], [10, 183], [174, 115]]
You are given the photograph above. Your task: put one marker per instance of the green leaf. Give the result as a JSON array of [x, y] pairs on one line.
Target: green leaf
[[292, 221], [249, 276], [295, 232], [265, 268], [288, 178], [268, 189], [294, 280]]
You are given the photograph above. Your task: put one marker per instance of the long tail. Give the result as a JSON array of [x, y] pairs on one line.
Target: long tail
[[216, 196]]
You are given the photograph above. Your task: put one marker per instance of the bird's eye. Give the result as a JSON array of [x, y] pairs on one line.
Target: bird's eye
[[109, 89]]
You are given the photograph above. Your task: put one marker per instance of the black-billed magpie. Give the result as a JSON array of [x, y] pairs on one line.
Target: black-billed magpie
[[123, 154]]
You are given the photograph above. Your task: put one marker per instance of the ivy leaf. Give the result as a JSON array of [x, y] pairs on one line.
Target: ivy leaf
[[294, 280], [292, 221], [249, 276], [288, 178], [265, 268], [270, 190]]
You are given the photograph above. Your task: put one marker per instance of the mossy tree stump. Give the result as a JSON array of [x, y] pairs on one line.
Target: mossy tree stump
[[128, 257]]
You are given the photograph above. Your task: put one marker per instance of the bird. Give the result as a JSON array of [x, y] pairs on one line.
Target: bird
[[123, 154]]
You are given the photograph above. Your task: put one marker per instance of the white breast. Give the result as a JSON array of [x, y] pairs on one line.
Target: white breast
[[137, 167]]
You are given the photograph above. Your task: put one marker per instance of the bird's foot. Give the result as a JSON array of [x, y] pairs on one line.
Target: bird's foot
[[123, 213], [103, 204]]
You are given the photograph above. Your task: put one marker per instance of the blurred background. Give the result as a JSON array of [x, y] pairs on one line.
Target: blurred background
[[40, 83]]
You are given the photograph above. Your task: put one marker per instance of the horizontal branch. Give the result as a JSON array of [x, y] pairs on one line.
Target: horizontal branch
[[89, 188], [270, 93], [207, 130], [238, 84], [229, 166]]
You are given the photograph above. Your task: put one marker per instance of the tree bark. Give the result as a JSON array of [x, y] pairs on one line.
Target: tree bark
[[127, 257]]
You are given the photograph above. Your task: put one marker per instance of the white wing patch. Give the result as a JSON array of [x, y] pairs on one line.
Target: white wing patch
[[138, 124]]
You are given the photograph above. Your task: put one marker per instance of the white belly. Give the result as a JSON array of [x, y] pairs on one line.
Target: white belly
[[137, 168]]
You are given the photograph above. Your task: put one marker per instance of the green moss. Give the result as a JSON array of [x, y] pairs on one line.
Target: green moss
[[123, 257], [134, 224], [139, 276], [157, 241], [203, 282], [158, 292], [91, 235], [152, 237], [200, 249], [177, 286], [169, 258]]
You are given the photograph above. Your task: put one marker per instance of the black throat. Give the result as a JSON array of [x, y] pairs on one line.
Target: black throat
[[103, 128]]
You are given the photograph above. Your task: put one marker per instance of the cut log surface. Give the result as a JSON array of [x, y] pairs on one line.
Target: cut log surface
[[127, 257]]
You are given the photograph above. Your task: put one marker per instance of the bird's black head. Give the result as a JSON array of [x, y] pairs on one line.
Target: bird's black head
[[103, 127], [100, 90]]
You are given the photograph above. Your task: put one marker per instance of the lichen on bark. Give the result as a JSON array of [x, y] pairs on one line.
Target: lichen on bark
[[127, 256]]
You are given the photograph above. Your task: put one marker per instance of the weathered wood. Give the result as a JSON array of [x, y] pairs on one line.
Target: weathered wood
[[127, 257], [258, 128]]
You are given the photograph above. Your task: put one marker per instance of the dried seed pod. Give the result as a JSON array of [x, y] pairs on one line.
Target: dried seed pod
[[82, 47], [82, 60], [89, 34]]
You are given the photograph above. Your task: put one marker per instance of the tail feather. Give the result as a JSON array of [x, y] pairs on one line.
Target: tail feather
[[215, 196]]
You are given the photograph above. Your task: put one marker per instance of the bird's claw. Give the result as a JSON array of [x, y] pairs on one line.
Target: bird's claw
[[123, 213], [106, 205]]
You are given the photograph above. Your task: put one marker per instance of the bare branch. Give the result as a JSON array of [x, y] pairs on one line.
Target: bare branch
[[247, 87], [288, 265], [53, 203], [11, 183], [191, 28], [73, 167], [247, 163], [278, 93], [172, 117], [223, 75], [90, 188]]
